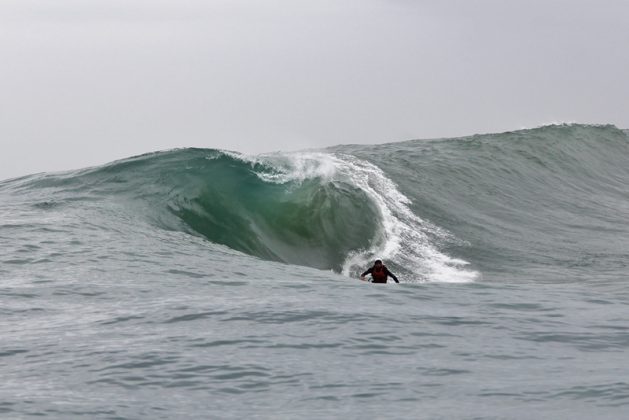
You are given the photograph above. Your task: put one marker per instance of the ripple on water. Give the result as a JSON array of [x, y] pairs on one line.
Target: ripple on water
[[606, 394], [12, 352], [582, 340], [194, 316]]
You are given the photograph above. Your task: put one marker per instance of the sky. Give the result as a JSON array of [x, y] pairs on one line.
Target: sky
[[87, 82]]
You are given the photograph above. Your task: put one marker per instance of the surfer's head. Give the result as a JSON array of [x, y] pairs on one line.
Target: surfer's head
[[378, 263]]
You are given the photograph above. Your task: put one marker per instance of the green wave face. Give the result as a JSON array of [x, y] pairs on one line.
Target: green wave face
[[258, 208], [310, 222]]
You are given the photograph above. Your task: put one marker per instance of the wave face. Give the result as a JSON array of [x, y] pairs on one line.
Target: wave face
[[545, 204], [256, 208]]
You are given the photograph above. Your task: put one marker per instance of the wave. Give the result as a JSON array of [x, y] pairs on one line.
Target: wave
[[543, 202]]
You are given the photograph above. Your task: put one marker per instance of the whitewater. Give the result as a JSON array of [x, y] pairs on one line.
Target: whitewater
[[202, 283]]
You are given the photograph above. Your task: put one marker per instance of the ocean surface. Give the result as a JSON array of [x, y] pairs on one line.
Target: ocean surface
[[199, 283]]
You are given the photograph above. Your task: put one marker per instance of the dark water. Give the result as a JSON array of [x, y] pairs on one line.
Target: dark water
[[203, 284]]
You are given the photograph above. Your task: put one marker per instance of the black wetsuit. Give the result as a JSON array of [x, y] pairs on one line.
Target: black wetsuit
[[387, 273]]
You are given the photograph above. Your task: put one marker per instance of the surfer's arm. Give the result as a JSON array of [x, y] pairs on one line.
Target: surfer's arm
[[392, 276], [362, 276]]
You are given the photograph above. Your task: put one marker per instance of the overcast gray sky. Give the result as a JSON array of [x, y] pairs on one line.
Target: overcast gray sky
[[85, 82]]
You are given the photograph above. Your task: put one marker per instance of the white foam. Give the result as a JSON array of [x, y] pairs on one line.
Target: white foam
[[300, 166]]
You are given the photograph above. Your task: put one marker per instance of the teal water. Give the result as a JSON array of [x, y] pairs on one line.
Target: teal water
[[205, 284]]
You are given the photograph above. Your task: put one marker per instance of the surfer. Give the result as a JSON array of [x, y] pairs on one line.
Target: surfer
[[379, 273]]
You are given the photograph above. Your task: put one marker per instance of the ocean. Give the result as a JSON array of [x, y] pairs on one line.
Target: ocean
[[200, 283]]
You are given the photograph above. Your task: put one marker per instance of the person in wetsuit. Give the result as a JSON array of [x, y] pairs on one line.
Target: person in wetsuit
[[379, 273]]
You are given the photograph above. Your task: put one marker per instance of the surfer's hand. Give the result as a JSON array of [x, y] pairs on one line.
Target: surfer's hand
[[362, 278]]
